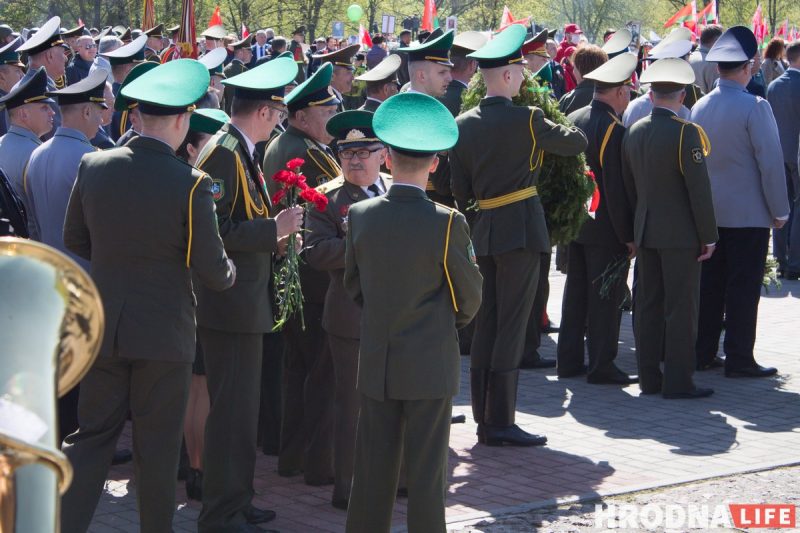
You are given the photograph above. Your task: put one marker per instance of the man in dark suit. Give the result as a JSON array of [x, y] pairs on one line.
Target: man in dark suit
[[259, 49], [362, 155], [604, 239], [143, 268], [463, 68], [231, 325], [784, 97], [674, 231], [416, 282], [306, 426], [509, 231]]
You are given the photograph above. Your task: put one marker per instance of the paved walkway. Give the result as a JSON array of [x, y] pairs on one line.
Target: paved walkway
[[602, 439]]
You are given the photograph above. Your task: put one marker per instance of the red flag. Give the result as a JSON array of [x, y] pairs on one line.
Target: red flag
[[80, 22], [683, 14], [245, 32], [759, 25], [428, 14], [364, 38], [708, 15], [507, 19], [216, 18], [149, 17], [186, 43], [783, 31]]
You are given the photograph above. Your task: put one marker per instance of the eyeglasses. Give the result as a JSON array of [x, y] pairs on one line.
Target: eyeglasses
[[362, 154], [282, 113], [90, 46]]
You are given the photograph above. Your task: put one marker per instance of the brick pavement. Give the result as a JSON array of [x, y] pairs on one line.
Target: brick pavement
[[602, 439]]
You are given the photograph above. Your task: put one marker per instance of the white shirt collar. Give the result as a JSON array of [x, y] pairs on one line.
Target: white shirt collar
[[251, 148], [377, 182]]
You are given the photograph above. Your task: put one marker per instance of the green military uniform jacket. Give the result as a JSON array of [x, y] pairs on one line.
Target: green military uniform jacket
[[325, 247], [232, 69], [579, 97], [452, 97], [409, 264], [664, 170], [250, 237], [612, 224], [320, 167], [145, 219], [484, 167]]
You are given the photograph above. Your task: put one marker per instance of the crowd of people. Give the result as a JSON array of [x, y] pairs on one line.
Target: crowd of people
[[155, 174]]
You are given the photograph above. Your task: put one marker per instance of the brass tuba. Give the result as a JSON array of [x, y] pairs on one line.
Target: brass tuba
[[51, 325]]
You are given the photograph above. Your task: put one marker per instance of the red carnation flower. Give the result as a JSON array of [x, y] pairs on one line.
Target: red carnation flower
[[321, 203], [278, 196], [283, 176], [295, 163]]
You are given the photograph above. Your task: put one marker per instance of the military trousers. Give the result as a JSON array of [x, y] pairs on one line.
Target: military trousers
[[667, 302], [269, 417], [585, 312], [308, 389], [155, 393], [344, 355], [509, 288], [786, 240], [419, 430], [233, 372], [533, 335], [730, 288]]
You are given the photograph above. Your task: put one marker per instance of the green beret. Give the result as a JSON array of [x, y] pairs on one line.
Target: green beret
[[169, 89], [505, 49], [315, 91], [208, 120], [264, 82], [415, 124]]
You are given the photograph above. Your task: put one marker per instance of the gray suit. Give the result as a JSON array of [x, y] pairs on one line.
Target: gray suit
[[784, 97], [16, 147], [51, 173]]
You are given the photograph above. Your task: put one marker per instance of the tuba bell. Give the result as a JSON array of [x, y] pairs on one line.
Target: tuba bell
[[51, 325]]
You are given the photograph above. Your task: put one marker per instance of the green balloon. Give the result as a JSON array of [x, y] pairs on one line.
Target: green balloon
[[355, 12]]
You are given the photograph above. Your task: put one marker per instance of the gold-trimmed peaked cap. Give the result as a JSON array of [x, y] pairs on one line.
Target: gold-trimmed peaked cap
[[169, 89], [385, 70], [352, 128], [47, 37], [436, 48], [505, 49], [616, 71], [9, 54], [315, 91], [133, 52], [89, 89], [31, 91], [264, 82], [340, 58]]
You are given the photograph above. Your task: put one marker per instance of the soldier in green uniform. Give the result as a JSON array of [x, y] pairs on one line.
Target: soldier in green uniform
[[605, 239], [362, 155], [128, 109], [296, 49], [664, 171], [231, 324], [463, 68], [381, 82], [242, 54], [343, 71], [509, 229], [409, 264], [122, 61], [143, 267], [306, 426]]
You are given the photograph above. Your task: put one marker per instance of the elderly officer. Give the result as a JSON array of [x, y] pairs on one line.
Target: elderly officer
[[30, 116], [509, 229], [674, 230], [362, 155], [463, 68], [45, 50], [414, 293], [603, 240], [381, 82], [749, 191], [231, 324], [143, 268], [307, 408]]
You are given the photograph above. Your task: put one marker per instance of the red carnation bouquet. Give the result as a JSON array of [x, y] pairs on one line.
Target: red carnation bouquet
[[288, 290]]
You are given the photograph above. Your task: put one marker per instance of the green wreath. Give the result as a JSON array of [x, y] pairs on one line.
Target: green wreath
[[563, 184]]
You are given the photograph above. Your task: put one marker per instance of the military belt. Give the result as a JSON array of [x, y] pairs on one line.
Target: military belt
[[510, 198]]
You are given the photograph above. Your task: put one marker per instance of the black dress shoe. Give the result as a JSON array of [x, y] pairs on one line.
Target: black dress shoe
[[122, 456], [550, 328], [649, 392], [254, 515], [194, 484], [572, 373], [696, 393], [539, 362], [340, 503], [458, 419], [717, 362], [617, 378], [511, 435], [756, 371]]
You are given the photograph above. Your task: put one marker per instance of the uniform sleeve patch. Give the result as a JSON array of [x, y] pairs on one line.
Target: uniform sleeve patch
[[697, 155], [471, 253], [217, 189]]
